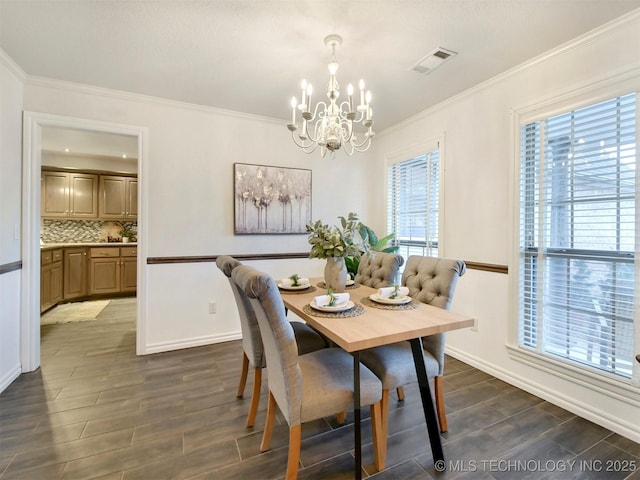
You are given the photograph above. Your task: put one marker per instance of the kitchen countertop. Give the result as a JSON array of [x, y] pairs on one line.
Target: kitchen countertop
[[49, 246]]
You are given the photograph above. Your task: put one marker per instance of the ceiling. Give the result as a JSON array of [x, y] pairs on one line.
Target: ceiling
[[250, 55]]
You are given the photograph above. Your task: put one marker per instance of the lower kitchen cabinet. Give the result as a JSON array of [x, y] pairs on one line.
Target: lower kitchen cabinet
[[112, 270], [75, 272], [104, 271], [50, 279], [71, 273], [129, 274]]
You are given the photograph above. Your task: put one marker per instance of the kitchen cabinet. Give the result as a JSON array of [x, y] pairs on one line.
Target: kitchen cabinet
[[112, 270], [69, 195], [129, 277], [75, 272], [118, 197], [50, 279]]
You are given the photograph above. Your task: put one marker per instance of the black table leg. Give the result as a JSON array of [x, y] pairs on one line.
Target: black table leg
[[356, 415], [427, 401]]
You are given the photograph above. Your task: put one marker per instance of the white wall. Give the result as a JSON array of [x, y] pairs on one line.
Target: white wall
[[11, 90], [479, 132], [188, 199]]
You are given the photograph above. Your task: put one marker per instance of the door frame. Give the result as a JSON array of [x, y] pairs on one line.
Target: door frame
[[33, 122]]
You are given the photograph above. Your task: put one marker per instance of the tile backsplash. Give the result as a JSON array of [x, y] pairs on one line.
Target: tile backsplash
[[81, 231]]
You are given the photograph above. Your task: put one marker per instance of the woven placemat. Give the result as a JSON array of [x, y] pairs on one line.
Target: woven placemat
[[412, 305], [352, 312], [348, 287], [297, 292]]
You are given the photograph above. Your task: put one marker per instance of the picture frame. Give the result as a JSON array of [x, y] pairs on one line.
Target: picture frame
[[271, 200]]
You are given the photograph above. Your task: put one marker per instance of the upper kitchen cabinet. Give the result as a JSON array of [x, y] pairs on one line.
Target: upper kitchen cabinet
[[118, 197], [69, 195]]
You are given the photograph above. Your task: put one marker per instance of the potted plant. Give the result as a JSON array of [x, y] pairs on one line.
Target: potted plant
[[373, 243], [127, 233], [335, 244]]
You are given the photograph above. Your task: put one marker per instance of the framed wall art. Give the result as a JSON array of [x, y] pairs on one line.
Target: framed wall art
[[271, 200]]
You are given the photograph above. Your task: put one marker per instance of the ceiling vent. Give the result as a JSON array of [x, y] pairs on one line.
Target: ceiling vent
[[433, 60]]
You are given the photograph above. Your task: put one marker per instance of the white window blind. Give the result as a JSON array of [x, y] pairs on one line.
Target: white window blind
[[412, 205], [578, 225]]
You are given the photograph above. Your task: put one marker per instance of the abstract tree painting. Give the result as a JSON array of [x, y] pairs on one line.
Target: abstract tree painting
[[271, 200]]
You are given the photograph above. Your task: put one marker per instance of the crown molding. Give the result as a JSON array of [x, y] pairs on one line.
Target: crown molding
[[47, 82], [629, 18], [12, 65]]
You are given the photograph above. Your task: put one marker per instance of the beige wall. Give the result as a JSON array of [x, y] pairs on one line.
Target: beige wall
[[11, 89]]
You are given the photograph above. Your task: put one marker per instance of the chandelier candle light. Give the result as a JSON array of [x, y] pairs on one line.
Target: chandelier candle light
[[332, 123]]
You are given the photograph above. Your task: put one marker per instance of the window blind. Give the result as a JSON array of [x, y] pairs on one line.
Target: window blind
[[578, 238], [413, 196]]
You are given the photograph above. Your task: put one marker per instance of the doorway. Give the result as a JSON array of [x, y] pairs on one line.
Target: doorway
[[33, 126]]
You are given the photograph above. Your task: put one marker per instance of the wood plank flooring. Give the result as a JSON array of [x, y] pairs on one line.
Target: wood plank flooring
[[96, 410]]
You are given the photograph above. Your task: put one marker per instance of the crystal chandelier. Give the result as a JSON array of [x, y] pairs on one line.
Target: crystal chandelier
[[330, 125]]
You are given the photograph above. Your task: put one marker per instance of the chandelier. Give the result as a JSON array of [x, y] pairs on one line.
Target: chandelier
[[330, 125]]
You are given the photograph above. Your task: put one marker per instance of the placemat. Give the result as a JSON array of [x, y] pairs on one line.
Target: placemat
[[352, 312], [348, 287], [297, 292], [412, 305]]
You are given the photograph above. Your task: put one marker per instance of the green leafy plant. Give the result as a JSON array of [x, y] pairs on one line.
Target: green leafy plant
[[127, 231], [294, 278], [332, 241], [373, 244]]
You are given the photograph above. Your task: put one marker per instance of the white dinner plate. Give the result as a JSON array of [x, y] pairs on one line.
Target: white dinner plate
[[297, 287], [350, 282], [341, 307], [390, 301]]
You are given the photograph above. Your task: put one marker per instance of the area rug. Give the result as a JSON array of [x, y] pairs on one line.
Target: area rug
[[74, 312]]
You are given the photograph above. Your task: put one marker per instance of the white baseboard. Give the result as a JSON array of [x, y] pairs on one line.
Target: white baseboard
[[573, 405], [191, 342], [10, 377]]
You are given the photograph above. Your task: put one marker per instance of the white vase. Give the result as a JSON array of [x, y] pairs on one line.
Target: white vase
[[335, 274]]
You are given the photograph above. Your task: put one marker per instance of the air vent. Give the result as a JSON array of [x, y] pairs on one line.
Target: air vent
[[433, 60]]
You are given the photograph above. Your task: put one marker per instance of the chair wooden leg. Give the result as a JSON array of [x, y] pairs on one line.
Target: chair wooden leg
[[341, 417], [295, 437], [243, 375], [384, 412], [272, 408], [400, 392], [255, 396], [379, 439], [439, 392]]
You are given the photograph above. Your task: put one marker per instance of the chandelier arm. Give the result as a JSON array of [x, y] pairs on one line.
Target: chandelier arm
[[348, 126], [307, 148], [360, 148], [346, 149], [315, 115]]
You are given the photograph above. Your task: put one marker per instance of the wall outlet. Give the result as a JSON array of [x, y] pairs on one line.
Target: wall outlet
[[212, 307], [475, 325]]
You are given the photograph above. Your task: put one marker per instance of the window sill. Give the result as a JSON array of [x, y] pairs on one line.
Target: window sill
[[619, 389]]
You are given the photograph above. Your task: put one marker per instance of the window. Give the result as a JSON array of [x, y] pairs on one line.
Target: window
[[412, 206], [578, 224]]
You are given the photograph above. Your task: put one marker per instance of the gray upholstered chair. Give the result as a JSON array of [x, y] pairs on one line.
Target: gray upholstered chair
[[433, 281], [307, 339], [305, 387], [378, 269]]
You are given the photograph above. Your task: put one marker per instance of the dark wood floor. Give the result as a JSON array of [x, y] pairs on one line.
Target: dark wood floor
[[96, 410]]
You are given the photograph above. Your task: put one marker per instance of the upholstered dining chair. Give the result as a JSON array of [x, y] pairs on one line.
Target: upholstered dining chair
[[378, 269], [305, 387], [253, 357], [433, 281]]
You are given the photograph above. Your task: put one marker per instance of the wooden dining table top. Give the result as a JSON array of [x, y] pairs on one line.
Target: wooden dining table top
[[376, 326]]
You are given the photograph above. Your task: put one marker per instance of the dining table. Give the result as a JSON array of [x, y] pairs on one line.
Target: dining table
[[367, 324]]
